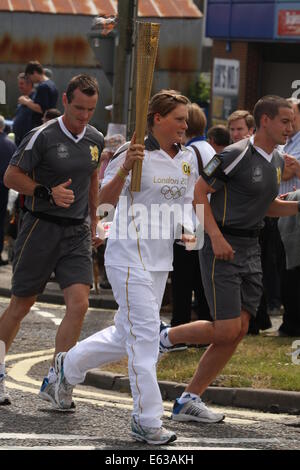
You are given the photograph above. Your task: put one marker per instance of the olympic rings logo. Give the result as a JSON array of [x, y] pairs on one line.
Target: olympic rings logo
[[172, 192]]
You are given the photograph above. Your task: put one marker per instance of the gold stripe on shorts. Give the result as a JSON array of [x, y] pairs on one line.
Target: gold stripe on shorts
[[225, 205], [27, 238], [214, 288]]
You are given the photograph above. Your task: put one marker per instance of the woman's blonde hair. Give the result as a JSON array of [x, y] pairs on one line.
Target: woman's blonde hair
[[196, 121]]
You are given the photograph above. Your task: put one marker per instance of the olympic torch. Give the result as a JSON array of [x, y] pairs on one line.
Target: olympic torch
[[147, 45]]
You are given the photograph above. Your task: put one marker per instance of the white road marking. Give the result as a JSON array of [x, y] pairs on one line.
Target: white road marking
[[45, 314], [57, 321], [20, 370], [226, 440], [19, 373], [173, 447], [50, 437], [12, 357], [94, 401], [53, 318], [73, 437], [49, 448]]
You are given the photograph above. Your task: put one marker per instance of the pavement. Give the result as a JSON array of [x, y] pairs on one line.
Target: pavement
[[274, 401]]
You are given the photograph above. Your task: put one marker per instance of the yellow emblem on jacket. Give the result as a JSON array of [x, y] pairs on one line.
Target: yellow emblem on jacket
[[186, 168], [278, 171], [94, 153]]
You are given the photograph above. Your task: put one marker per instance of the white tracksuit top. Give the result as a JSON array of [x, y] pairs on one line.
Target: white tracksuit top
[[167, 184]]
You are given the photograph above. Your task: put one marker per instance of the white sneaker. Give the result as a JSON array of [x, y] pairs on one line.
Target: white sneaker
[[151, 435], [163, 332], [63, 389], [195, 410], [47, 393], [4, 396]]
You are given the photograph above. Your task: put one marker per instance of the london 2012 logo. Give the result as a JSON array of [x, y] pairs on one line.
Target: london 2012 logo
[[172, 192]]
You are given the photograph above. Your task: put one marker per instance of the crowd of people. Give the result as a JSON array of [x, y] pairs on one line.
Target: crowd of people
[[246, 177]]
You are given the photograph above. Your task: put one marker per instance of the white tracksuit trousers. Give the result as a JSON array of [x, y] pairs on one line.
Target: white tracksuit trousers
[[135, 333]]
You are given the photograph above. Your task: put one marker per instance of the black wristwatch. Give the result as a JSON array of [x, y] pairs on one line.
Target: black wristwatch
[[43, 192], [298, 206]]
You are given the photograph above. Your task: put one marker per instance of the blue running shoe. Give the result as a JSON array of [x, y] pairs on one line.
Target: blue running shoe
[[47, 391]]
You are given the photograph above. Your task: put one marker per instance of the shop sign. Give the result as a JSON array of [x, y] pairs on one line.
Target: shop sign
[[225, 90], [288, 24]]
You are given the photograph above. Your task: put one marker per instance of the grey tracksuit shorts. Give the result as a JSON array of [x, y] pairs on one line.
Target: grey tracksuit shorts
[[44, 247]]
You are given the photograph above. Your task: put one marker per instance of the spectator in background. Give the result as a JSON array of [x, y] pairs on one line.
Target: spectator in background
[[46, 93], [241, 124], [48, 73], [289, 228], [289, 252], [111, 144], [23, 118], [186, 274], [51, 113], [7, 148], [218, 137], [277, 289], [292, 147]]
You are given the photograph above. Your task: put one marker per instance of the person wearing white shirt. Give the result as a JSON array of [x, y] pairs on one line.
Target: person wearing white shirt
[[138, 258], [290, 325], [292, 147]]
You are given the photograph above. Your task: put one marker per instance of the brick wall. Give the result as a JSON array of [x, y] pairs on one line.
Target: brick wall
[[253, 75]]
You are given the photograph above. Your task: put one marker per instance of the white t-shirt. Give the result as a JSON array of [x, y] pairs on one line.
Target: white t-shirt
[[206, 152], [140, 236]]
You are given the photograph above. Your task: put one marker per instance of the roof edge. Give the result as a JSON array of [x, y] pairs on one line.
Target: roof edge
[[173, 9]]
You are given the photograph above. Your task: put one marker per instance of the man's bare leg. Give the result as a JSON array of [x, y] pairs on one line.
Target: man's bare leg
[[11, 318], [197, 332], [77, 302], [224, 336], [9, 326]]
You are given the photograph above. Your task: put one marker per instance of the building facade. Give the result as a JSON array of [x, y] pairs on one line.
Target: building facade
[[56, 32], [256, 50]]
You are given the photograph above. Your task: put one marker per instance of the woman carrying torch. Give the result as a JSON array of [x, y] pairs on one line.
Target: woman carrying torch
[[138, 260]]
